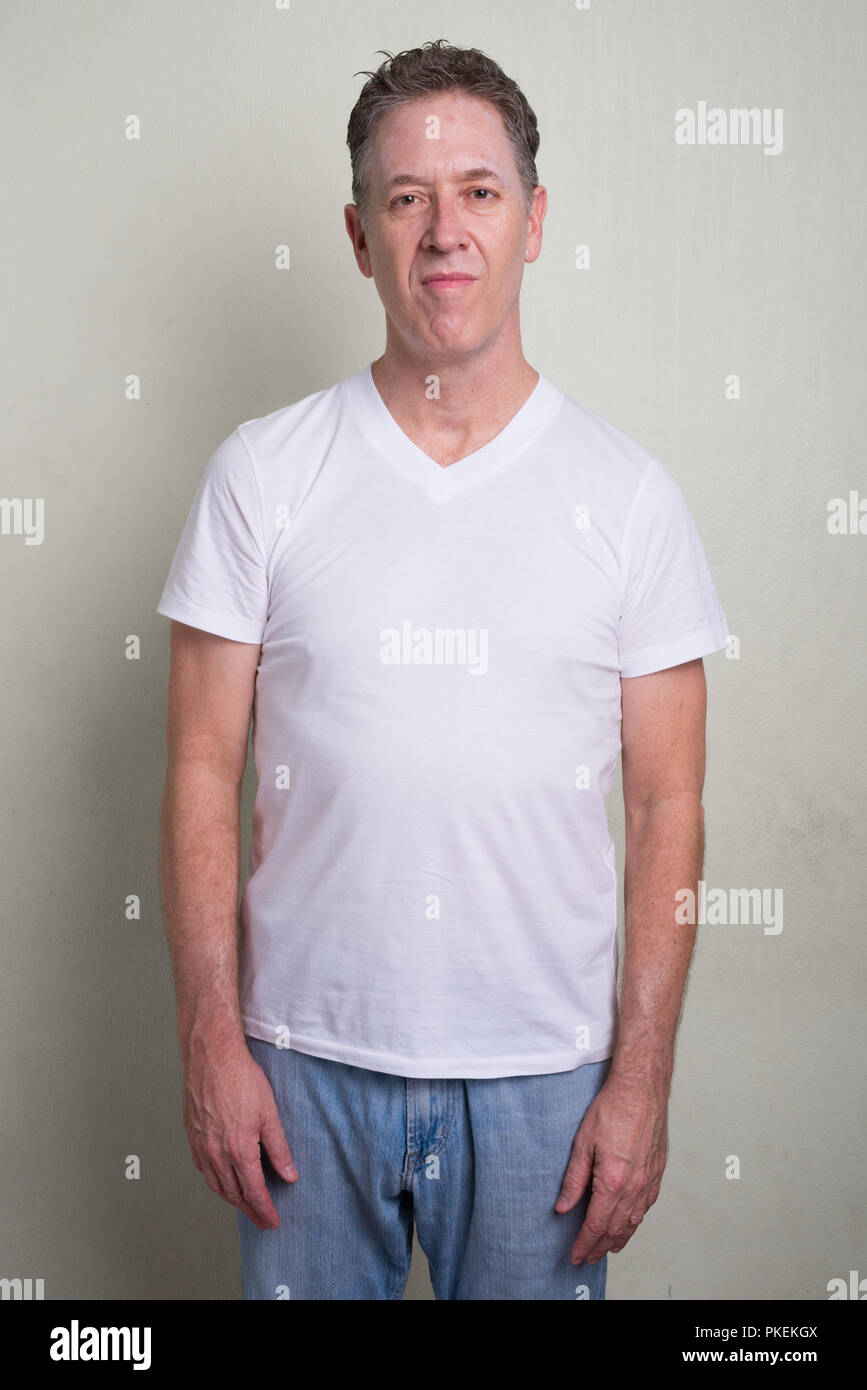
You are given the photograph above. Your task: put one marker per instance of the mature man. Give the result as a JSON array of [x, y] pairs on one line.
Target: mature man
[[439, 585]]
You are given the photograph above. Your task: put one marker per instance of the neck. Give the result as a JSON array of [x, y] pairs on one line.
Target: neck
[[448, 406]]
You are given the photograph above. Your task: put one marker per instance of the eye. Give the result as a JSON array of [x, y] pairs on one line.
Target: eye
[[402, 196], [489, 191]]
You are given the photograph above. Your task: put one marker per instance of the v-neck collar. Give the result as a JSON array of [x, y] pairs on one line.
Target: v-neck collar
[[440, 484]]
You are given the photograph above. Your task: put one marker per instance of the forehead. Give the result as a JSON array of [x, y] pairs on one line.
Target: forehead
[[441, 128]]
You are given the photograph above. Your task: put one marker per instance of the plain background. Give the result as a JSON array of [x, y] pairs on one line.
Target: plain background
[[156, 258]]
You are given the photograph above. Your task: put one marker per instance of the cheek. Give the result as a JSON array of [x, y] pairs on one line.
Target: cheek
[[505, 245], [395, 266], [386, 273], [506, 260]]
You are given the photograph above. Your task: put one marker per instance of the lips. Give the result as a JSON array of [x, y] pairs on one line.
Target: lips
[[443, 279]]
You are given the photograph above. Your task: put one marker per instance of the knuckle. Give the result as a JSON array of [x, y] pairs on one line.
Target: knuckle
[[241, 1148]]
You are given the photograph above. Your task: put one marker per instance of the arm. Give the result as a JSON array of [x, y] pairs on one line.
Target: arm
[[622, 1141], [228, 1103], [663, 776]]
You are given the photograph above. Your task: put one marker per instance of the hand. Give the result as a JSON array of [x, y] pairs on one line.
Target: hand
[[622, 1142], [228, 1106]]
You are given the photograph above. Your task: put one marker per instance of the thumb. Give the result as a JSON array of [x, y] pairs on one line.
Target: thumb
[[277, 1147], [576, 1177]]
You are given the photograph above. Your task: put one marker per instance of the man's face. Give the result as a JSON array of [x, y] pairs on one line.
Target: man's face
[[436, 206]]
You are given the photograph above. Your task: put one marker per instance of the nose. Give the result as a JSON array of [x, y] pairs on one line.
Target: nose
[[445, 230]]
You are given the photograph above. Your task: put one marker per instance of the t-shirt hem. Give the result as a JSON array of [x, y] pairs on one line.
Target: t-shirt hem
[[221, 624], [433, 1068], [658, 658]]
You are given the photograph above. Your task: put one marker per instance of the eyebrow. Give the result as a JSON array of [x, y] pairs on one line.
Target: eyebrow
[[482, 172]]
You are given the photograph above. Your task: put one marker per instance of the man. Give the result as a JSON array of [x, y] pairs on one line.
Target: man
[[438, 586]]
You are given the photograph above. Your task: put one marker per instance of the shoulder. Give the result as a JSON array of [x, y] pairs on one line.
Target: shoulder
[[267, 436], [620, 462]]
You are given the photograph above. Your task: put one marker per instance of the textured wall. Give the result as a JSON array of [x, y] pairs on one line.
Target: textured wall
[[719, 322]]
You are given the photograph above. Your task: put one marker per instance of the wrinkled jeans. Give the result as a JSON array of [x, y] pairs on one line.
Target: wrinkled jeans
[[476, 1165]]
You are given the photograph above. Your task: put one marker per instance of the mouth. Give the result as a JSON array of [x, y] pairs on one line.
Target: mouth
[[447, 282]]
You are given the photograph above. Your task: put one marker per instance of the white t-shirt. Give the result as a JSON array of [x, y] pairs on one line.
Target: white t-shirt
[[432, 885]]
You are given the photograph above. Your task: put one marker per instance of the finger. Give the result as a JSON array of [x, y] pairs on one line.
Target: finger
[[211, 1179], [228, 1188], [576, 1177], [646, 1201], [228, 1180], [215, 1161], [607, 1221], [625, 1214], [625, 1227], [625, 1210], [232, 1191], [616, 1249], [244, 1206], [251, 1180], [243, 1155], [612, 1241], [276, 1146], [594, 1227]]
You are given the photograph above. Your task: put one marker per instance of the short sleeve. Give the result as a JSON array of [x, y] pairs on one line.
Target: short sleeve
[[218, 577], [670, 612]]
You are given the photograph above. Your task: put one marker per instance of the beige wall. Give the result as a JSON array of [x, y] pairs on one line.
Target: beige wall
[[154, 257]]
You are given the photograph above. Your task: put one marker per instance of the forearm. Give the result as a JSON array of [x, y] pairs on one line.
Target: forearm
[[200, 864], [664, 854]]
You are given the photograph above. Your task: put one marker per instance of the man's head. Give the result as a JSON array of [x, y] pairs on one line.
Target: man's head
[[443, 148]]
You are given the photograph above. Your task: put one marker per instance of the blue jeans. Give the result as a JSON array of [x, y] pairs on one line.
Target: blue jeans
[[475, 1164]]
